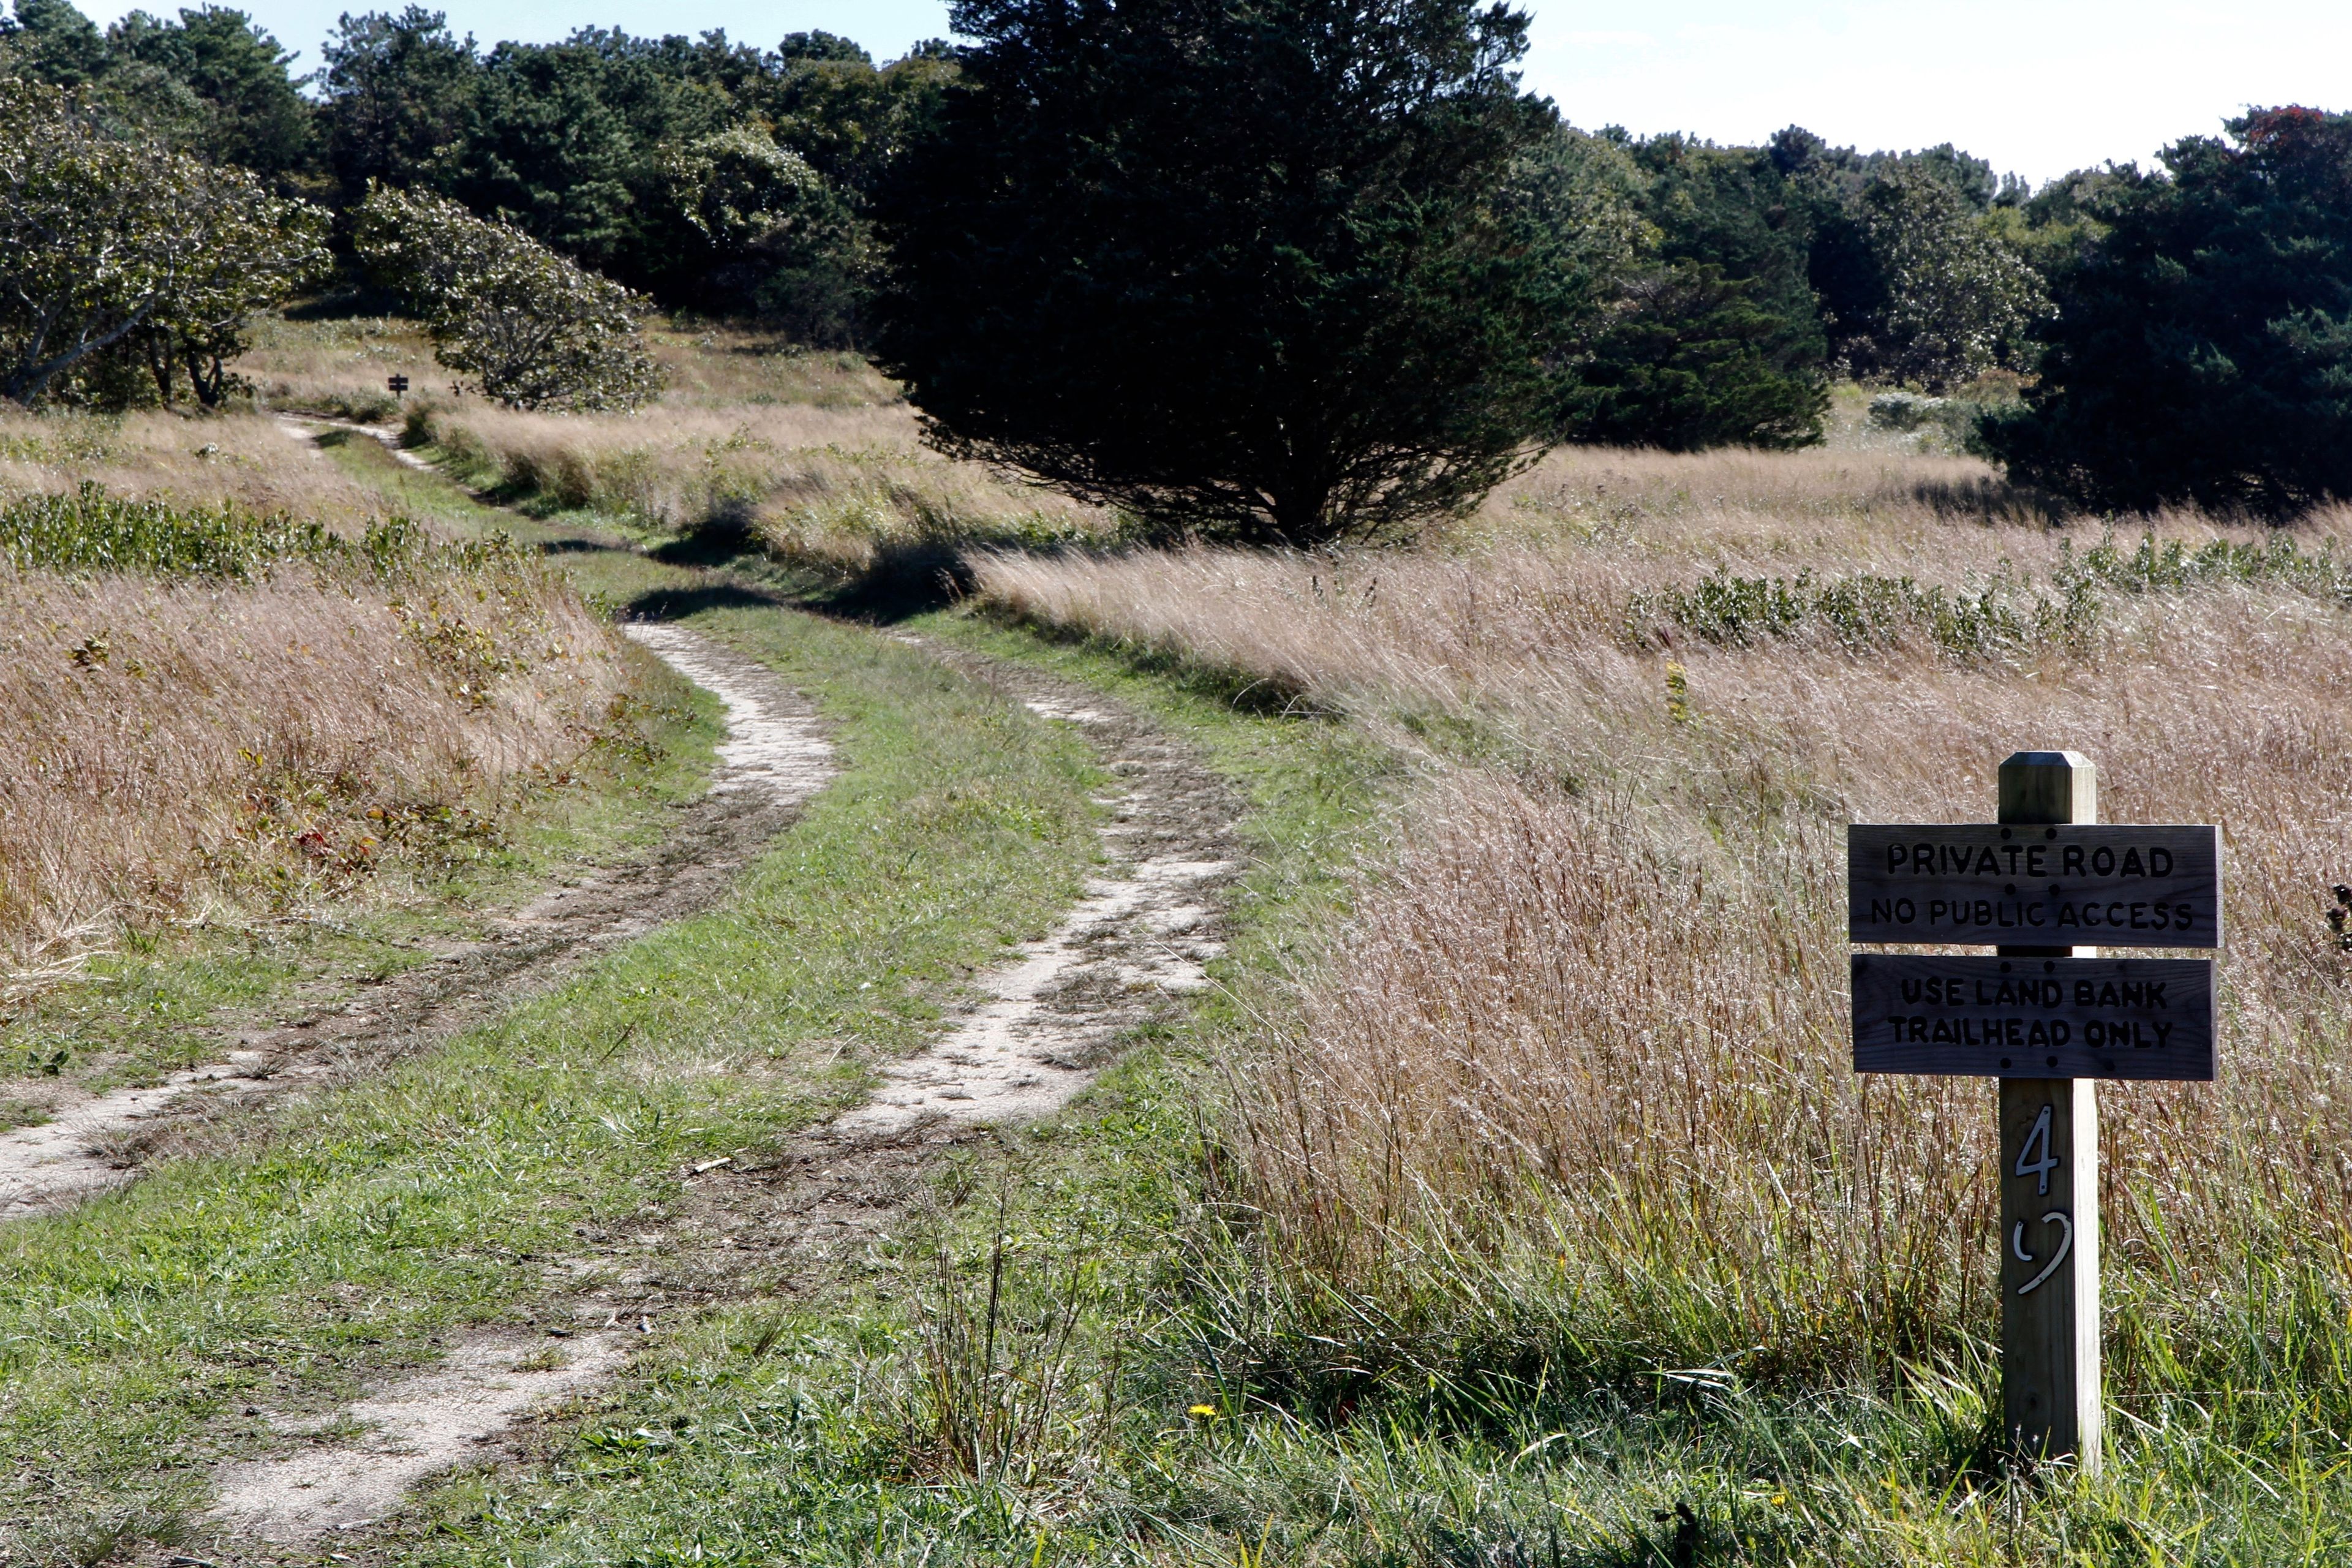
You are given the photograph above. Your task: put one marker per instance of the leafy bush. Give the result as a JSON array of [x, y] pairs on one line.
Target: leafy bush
[[1868, 610], [1865, 611], [1959, 301], [776, 235], [536, 330], [1904, 410], [118, 245], [91, 531], [2199, 353]]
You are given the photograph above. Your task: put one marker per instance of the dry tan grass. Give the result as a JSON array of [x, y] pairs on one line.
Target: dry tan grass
[[833, 485], [1587, 1029], [340, 367], [240, 457], [174, 744], [170, 745], [716, 366]]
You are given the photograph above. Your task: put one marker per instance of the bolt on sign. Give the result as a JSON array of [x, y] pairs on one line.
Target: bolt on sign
[[2046, 886]]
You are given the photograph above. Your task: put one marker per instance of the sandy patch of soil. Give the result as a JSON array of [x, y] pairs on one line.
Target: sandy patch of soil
[[773, 759], [415, 1429]]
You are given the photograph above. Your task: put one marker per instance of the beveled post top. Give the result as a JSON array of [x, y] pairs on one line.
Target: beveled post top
[[2049, 787]]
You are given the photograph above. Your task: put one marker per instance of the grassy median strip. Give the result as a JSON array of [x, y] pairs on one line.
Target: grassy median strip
[[277, 1271]]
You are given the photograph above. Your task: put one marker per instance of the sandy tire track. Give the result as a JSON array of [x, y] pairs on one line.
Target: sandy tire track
[[1133, 948]]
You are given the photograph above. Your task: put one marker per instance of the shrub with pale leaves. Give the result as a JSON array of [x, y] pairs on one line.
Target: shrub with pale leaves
[[537, 331], [111, 242]]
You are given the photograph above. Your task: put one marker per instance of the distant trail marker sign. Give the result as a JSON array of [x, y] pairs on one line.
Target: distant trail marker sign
[[2047, 1019]]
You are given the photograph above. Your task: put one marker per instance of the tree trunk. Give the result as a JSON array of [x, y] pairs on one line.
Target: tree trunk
[[159, 363], [1298, 513], [29, 379], [209, 380]]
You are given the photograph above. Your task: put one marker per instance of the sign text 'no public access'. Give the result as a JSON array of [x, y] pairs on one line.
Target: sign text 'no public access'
[[2034, 1018], [2026, 885]]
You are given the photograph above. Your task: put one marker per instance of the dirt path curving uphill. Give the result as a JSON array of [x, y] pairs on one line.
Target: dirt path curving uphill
[[1137, 941]]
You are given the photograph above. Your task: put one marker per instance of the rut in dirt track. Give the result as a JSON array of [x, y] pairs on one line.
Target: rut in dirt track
[[1136, 942]]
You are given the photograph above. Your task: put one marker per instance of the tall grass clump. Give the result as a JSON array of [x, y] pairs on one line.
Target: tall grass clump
[[207, 708], [238, 458], [836, 488]]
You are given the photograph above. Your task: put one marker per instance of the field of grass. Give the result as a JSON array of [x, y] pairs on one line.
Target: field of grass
[[1557, 1144], [1509, 1200]]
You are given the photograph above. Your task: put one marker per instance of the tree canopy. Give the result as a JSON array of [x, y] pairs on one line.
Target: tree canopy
[[536, 330], [1712, 338], [1246, 268], [2202, 348], [211, 81], [103, 236]]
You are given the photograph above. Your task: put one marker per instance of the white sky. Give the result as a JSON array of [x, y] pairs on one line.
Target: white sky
[[2038, 87]]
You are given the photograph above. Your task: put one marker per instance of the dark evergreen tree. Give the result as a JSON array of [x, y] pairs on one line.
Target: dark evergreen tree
[[1241, 266], [58, 45], [249, 109], [399, 90], [211, 83], [565, 141], [1690, 362], [1716, 340], [2202, 347]]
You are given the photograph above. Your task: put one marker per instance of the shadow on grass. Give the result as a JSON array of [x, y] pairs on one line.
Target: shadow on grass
[[905, 581], [676, 603]]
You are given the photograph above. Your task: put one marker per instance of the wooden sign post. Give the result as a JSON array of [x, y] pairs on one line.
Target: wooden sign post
[[2050, 1383], [2047, 1018]]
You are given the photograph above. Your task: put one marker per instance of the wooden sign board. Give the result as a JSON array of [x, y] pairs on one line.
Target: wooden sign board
[[2066, 886], [2034, 1018]]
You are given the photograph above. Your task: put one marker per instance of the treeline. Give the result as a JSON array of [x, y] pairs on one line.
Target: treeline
[[713, 176], [1273, 268], [726, 178], [1753, 276]]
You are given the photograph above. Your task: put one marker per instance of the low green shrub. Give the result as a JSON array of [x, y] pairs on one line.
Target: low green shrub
[[89, 530], [1868, 610]]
